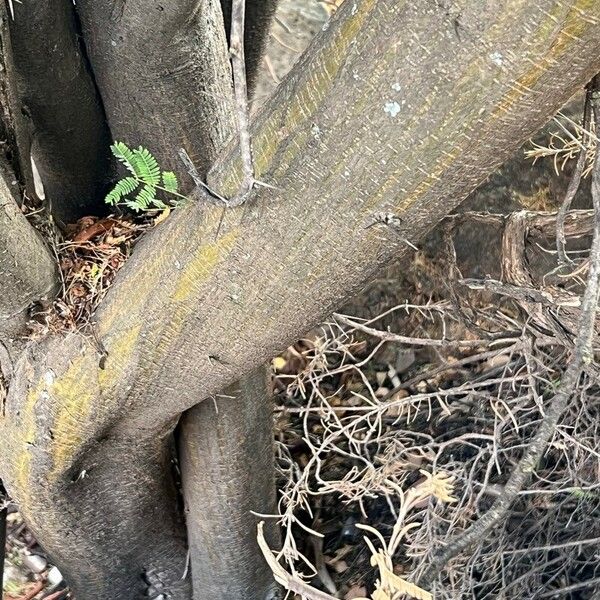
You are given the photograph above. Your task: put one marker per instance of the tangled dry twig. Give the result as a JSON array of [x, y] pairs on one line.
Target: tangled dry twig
[[501, 394]]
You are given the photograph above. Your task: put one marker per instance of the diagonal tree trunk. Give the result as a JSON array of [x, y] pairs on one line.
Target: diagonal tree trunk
[[375, 119]]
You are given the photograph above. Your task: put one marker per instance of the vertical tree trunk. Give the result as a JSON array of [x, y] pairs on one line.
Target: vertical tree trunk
[[228, 471], [59, 117], [162, 68]]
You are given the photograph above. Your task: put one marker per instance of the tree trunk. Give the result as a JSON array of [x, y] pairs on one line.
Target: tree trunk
[[27, 269], [398, 108], [228, 471], [58, 114], [163, 71]]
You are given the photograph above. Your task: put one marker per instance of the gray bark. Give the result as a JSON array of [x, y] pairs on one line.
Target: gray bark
[[58, 115], [391, 111], [162, 70], [257, 25], [27, 269], [228, 471]]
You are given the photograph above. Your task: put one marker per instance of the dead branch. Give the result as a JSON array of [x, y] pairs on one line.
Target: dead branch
[[582, 355], [388, 336], [575, 181]]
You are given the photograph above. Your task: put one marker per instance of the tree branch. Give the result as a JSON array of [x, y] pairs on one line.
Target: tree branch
[[27, 269], [574, 183], [238, 65], [257, 24]]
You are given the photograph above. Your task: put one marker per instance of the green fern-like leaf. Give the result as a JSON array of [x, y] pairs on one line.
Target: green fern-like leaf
[[125, 155], [132, 205], [169, 182], [146, 167], [122, 189], [145, 172], [146, 197]]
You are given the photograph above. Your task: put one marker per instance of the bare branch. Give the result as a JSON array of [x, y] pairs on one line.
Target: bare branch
[[238, 63], [388, 336], [228, 472], [582, 355], [257, 22], [574, 182]]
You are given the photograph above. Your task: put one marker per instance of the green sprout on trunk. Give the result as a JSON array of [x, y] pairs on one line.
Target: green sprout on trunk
[[138, 190]]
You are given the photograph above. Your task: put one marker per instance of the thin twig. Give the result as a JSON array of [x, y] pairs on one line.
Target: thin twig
[[209, 194], [240, 89], [574, 183], [388, 336], [582, 355]]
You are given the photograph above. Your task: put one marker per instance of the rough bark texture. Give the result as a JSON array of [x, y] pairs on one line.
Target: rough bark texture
[[162, 69], [59, 118], [228, 470], [3, 514], [143, 515], [399, 107], [27, 269], [191, 106]]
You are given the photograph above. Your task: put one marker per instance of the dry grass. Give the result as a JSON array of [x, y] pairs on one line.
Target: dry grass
[[565, 145]]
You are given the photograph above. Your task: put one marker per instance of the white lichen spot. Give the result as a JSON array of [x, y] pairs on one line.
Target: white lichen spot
[[49, 377], [346, 173], [354, 9], [497, 58], [392, 108], [396, 86], [316, 131], [325, 26]]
